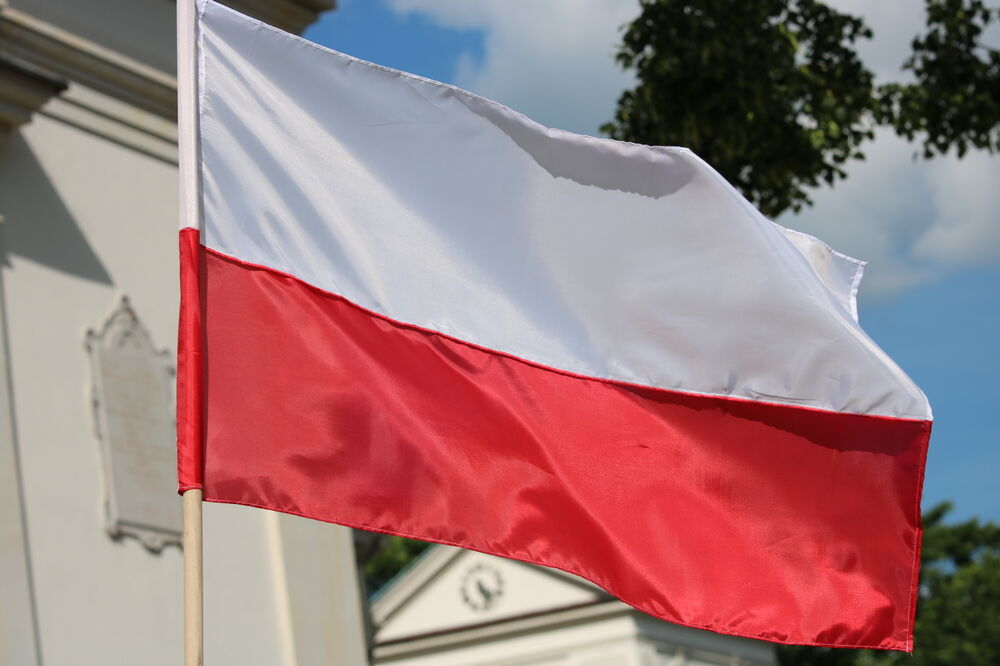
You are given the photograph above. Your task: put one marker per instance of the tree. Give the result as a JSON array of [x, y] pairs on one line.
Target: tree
[[391, 556], [958, 612], [773, 95], [955, 99]]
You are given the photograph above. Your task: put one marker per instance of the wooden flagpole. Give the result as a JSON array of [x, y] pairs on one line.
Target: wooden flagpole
[[193, 594], [190, 216]]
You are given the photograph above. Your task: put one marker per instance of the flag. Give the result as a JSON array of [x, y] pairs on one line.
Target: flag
[[411, 310]]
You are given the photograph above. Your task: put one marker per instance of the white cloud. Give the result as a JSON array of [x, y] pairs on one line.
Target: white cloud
[[875, 215], [914, 220], [549, 59], [895, 24], [967, 216]]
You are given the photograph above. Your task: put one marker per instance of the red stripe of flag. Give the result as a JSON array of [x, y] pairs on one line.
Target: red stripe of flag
[[723, 514]]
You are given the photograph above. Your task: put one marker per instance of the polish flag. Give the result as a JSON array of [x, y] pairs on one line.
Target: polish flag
[[412, 310]]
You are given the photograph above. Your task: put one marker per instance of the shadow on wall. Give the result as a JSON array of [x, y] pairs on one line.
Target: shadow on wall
[[37, 224]]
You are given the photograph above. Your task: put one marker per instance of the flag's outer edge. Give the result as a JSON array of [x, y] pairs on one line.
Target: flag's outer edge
[[190, 375], [911, 609]]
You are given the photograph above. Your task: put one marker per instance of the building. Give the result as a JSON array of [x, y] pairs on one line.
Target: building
[[456, 607], [90, 567]]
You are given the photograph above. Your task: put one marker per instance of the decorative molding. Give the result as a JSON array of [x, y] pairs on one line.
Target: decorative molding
[[64, 54], [482, 586], [108, 118], [405, 586], [492, 631], [132, 402], [110, 95], [110, 73], [290, 15], [23, 90]]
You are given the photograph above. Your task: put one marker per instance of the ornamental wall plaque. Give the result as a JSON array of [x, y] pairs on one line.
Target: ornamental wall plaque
[[482, 587], [132, 398]]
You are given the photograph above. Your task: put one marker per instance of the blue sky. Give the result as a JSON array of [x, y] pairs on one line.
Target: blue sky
[[931, 230]]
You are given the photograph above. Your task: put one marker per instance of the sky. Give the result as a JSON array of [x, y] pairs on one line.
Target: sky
[[930, 229]]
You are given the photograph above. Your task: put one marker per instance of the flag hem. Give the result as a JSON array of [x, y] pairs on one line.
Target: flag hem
[[918, 539], [898, 647]]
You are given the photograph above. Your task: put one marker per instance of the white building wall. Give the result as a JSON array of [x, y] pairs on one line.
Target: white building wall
[[430, 616], [607, 641], [85, 222], [88, 196]]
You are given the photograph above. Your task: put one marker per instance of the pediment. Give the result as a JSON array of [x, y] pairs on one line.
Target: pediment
[[451, 588]]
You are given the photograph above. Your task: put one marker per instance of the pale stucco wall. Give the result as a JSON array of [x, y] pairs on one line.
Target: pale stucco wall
[[89, 203], [87, 221]]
